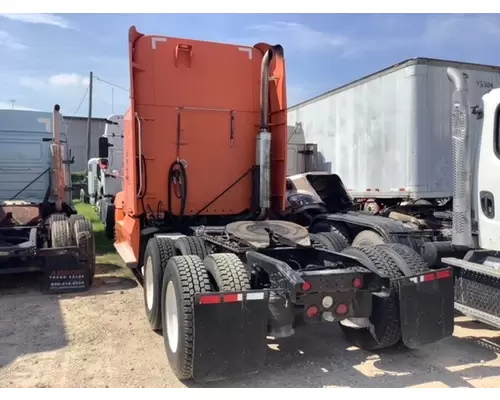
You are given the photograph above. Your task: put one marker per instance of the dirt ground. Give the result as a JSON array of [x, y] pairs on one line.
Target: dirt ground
[[101, 339]]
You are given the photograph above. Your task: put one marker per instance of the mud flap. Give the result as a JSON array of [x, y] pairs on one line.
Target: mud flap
[[426, 307], [230, 332], [63, 272]]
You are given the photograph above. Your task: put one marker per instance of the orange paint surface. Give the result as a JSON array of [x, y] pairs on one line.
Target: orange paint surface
[[206, 94]]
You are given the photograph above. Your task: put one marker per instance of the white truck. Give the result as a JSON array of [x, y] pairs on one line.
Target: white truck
[[387, 135], [465, 235], [104, 175]]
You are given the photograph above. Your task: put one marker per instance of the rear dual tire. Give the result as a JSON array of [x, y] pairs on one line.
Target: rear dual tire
[[389, 260], [170, 285], [184, 276], [156, 257], [74, 231]]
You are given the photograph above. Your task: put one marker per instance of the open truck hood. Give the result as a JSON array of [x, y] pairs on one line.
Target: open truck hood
[[325, 187]]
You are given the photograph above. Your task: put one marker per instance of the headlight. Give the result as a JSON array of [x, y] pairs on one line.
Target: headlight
[[301, 199]]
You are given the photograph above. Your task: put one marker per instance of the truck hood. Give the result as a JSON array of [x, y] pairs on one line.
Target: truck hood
[[325, 187]]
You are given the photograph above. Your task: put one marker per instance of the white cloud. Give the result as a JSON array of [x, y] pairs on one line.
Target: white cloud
[[295, 36], [4, 105], [292, 34], [69, 80], [394, 33], [45, 19], [461, 28], [7, 40], [58, 81]]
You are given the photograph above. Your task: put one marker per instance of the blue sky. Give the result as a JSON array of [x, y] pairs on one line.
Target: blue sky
[[46, 58]]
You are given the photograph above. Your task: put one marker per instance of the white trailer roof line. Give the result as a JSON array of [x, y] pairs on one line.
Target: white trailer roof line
[[403, 64]]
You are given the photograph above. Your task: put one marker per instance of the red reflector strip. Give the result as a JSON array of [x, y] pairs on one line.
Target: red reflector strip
[[229, 298], [443, 274], [210, 299], [432, 276], [233, 297]]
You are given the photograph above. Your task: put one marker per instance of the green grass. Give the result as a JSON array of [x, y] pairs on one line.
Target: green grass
[[105, 252]]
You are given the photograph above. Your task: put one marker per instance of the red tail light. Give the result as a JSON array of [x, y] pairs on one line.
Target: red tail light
[[312, 311], [341, 309], [357, 283], [306, 286]]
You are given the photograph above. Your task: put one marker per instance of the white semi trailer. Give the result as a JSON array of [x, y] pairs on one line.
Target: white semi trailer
[[387, 135], [104, 175]]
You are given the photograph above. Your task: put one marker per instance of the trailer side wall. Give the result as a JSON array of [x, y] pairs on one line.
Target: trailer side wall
[[389, 136]]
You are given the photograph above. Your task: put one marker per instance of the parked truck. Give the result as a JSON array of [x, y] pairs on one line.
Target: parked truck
[[199, 220], [105, 174], [40, 230], [462, 234], [387, 135]]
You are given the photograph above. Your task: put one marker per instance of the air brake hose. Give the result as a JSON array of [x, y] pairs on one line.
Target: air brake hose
[[177, 175]]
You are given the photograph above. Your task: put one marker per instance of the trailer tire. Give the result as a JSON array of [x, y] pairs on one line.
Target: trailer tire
[[109, 221], [60, 234], [56, 217], [405, 255], [385, 312], [184, 277], [85, 240], [368, 238], [72, 221], [228, 272], [333, 241], [191, 246], [156, 257]]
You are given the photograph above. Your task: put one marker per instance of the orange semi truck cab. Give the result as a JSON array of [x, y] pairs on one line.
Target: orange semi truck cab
[[198, 220], [193, 148]]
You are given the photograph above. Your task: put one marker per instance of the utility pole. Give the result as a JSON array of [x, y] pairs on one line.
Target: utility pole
[[89, 121], [13, 102]]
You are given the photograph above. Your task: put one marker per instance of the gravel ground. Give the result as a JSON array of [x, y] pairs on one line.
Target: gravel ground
[[101, 339]]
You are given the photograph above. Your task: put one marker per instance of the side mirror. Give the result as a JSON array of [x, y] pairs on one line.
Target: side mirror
[[103, 147]]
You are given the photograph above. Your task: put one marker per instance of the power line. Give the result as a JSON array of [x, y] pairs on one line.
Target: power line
[[77, 108], [111, 84], [81, 101]]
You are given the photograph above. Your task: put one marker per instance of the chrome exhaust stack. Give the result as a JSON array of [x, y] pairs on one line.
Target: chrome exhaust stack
[[263, 143], [462, 161]]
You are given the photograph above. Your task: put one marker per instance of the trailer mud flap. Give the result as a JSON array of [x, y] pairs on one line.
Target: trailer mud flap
[[229, 334], [426, 307], [63, 271]]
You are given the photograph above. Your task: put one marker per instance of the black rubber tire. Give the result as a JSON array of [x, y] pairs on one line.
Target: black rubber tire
[[109, 221], [191, 246], [385, 312], [228, 272], [188, 276], [160, 250], [72, 220], [422, 202], [85, 240], [60, 234], [367, 238], [405, 254], [56, 217], [341, 229], [333, 241]]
